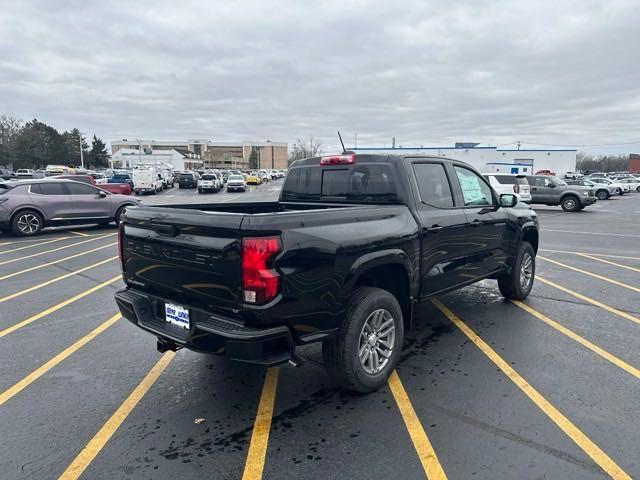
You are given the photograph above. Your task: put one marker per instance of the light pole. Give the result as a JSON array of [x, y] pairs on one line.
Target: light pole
[[81, 153]]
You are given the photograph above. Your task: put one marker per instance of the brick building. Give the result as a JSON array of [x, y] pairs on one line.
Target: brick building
[[236, 155]]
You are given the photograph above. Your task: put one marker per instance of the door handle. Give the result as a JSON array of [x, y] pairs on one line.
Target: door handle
[[476, 223], [434, 228]]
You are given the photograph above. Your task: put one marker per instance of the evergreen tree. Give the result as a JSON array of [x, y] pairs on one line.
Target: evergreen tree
[[37, 145], [72, 141], [98, 155]]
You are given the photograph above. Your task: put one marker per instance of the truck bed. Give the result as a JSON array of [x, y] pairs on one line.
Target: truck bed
[[191, 252]]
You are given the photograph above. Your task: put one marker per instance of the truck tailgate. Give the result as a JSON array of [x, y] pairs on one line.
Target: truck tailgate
[[193, 260]]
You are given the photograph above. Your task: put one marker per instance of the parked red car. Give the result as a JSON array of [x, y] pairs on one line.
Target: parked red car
[[546, 172], [121, 188]]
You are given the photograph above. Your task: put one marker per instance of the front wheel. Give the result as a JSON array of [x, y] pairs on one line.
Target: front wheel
[[118, 217], [367, 347], [602, 194], [27, 223], [518, 283], [570, 203]]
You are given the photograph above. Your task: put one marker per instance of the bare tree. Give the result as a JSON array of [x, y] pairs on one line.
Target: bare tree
[[305, 149], [9, 129], [602, 163]]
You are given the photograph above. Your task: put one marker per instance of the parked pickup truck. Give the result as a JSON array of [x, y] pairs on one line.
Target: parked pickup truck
[[352, 245], [119, 188]]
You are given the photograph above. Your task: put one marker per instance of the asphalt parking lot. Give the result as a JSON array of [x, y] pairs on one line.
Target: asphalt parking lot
[[487, 389]]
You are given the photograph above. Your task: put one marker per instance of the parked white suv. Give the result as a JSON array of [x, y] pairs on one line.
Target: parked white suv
[[510, 183], [622, 188]]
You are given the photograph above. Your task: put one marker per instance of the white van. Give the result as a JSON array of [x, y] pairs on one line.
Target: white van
[[510, 183], [147, 180]]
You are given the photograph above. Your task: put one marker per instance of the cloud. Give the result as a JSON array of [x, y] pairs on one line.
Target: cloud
[[425, 72]]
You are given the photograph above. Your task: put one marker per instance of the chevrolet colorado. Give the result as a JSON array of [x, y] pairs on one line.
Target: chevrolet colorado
[[353, 244]]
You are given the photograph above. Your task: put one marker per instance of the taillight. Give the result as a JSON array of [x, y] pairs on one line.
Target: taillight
[[259, 282], [516, 188], [120, 242], [347, 159]]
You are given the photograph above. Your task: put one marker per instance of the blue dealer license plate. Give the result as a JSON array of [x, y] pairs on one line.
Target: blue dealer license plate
[[177, 315]]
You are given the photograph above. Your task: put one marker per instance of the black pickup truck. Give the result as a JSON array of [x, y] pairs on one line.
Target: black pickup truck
[[354, 242]]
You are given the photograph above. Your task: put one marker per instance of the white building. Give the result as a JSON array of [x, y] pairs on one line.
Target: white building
[[494, 159], [180, 160]]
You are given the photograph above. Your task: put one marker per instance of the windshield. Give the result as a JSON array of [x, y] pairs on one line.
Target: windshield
[[559, 182], [208, 177]]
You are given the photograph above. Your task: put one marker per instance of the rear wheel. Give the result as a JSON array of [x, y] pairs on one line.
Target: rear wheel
[[518, 283], [570, 203], [366, 349], [27, 223]]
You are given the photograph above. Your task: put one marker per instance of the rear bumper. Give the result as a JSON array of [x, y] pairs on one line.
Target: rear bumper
[[588, 200], [211, 333]]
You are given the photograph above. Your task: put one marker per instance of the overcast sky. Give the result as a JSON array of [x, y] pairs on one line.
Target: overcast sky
[[428, 73]]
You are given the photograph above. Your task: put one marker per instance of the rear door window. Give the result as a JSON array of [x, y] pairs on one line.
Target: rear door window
[[433, 184], [49, 188]]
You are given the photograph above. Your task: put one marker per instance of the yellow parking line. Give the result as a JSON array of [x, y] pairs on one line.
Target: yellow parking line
[[56, 307], [39, 238], [40, 371], [609, 263], [582, 341], [56, 279], [48, 264], [78, 233], [594, 275], [590, 253], [424, 449], [572, 431], [55, 249], [590, 300], [19, 242], [254, 464], [33, 245], [100, 439]]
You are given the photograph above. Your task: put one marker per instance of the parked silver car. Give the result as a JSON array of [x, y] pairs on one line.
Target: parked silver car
[[28, 206]]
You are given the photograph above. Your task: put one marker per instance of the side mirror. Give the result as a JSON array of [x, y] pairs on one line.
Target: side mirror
[[102, 194], [508, 200]]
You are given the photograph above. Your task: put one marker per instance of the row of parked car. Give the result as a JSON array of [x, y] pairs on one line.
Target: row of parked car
[[572, 195], [233, 180]]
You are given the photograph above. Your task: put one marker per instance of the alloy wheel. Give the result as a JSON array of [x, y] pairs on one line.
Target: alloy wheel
[[28, 223], [526, 271], [377, 339]]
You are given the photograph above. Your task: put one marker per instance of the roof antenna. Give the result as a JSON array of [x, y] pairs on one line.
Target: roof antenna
[[344, 150]]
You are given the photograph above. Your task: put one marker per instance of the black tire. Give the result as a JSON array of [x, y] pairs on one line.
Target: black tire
[[620, 192], [570, 203], [199, 191], [341, 353], [603, 194], [512, 286], [637, 189], [27, 223]]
